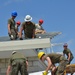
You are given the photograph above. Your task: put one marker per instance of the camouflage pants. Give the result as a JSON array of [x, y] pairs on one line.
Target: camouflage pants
[[39, 32], [62, 66], [13, 35], [18, 66]]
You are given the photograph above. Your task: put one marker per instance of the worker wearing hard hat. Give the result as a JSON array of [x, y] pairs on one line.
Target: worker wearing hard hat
[[52, 59], [18, 23], [39, 28], [28, 27], [68, 52], [17, 62], [11, 26]]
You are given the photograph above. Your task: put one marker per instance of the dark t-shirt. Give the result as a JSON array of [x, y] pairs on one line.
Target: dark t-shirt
[[68, 51], [12, 23], [28, 29], [55, 58]]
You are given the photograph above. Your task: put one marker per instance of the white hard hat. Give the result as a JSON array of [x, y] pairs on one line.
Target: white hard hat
[[13, 52], [28, 18]]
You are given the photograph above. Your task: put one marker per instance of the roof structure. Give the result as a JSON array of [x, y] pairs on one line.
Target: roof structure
[[28, 48]]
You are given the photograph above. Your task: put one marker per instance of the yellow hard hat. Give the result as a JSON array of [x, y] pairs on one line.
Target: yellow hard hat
[[40, 54]]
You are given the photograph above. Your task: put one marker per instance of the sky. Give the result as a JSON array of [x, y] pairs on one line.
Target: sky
[[58, 15]]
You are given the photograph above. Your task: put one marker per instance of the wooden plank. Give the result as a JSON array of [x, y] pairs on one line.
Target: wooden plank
[[70, 68]]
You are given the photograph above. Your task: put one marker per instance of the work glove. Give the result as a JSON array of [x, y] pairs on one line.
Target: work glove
[[9, 34], [21, 38], [45, 73]]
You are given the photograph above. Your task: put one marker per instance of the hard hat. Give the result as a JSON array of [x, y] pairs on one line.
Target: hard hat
[[40, 21], [28, 18], [40, 54], [13, 52], [65, 45], [14, 13], [18, 22]]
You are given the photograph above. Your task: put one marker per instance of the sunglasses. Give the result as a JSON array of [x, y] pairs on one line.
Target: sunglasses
[[65, 46]]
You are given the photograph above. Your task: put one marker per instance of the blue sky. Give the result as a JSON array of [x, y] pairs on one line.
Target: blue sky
[[58, 15]]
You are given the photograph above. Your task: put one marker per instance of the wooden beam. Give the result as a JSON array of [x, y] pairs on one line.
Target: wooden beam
[[25, 44], [70, 68]]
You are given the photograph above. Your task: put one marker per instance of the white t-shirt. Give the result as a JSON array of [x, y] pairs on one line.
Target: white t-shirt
[[38, 27]]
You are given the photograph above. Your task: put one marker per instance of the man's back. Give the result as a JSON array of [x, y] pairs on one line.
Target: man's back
[[55, 58], [17, 55]]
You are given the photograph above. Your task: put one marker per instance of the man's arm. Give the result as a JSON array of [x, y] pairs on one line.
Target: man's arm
[[69, 56], [49, 64], [27, 63], [8, 70], [9, 31], [21, 29], [33, 33], [53, 70]]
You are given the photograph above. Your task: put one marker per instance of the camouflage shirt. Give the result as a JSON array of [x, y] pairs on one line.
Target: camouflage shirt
[[28, 29], [12, 23], [55, 58], [15, 56], [68, 51]]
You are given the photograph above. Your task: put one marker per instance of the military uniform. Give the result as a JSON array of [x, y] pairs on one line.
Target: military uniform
[[18, 63], [12, 28], [58, 58], [28, 29], [66, 52]]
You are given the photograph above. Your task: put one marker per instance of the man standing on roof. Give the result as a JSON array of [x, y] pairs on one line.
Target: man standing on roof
[[28, 27], [68, 52], [39, 28], [17, 63], [11, 26], [17, 28], [52, 59]]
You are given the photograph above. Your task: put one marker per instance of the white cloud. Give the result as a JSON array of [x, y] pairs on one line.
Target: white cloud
[[70, 42], [7, 2]]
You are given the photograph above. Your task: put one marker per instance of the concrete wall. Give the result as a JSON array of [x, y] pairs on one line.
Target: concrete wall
[[3, 66], [34, 65]]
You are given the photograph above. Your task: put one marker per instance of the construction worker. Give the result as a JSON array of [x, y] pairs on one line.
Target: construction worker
[[28, 27], [39, 28], [11, 26], [52, 59], [68, 52], [17, 28], [17, 63]]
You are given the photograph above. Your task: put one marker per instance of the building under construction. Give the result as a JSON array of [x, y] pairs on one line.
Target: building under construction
[[30, 49]]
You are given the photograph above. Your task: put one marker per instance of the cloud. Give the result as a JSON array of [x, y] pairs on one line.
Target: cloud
[[58, 37], [7, 2], [70, 42]]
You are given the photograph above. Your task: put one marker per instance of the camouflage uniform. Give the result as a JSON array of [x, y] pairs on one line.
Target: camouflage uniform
[[66, 52], [58, 58], [12, 28], [18, 63], [28, 29]]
